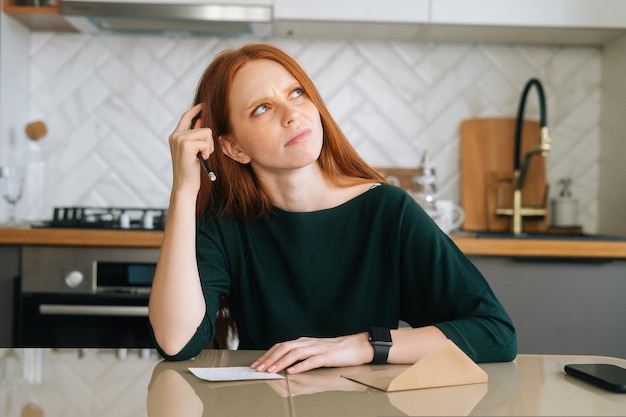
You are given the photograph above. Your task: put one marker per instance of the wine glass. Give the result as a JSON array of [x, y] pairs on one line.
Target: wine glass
[[12, 184]]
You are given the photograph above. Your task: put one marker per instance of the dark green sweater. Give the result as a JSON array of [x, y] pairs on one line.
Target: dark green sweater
[[371, 261]]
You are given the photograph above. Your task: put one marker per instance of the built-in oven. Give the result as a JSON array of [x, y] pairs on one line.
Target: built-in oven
[[83, 297]]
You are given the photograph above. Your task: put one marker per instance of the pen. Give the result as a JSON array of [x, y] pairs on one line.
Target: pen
[[210, 173]]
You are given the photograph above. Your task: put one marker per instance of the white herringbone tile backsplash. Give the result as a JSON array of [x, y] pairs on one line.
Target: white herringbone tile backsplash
[[111, 101]]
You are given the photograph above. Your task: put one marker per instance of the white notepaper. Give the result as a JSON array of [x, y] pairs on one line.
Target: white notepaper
[[232, 373]]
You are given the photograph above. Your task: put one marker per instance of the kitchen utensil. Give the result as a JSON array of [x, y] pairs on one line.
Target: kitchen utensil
[[11, 182], [487, 150], [36, 130], [450, 215], [400, 177], [34, 206], [564, 207], [425, 186]]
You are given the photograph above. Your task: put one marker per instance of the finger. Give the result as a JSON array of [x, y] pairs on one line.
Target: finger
[[273, 355], [311, 357], [287, 354], [187, 119], [189, 143], [312, 362], [185, 147], [206, 145], [261, 364], [201, 138], [196, 122]]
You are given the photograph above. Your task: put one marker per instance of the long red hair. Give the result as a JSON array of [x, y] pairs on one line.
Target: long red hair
[[237, 192]]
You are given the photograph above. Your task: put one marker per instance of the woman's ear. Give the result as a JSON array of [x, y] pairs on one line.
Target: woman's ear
[[232, 150]]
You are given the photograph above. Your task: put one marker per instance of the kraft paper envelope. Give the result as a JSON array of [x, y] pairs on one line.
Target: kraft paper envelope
[[446, 366], [439, 401]]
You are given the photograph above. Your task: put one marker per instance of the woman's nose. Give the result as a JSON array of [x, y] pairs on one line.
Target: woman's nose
[[289, 114]]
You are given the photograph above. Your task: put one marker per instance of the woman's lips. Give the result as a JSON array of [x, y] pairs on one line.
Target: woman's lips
[[299, 136]]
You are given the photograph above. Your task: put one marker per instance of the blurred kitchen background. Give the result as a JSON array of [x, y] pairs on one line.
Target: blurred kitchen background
[[111, 100]]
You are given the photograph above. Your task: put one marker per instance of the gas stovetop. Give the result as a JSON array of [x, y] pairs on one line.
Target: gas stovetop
[[106, 218]]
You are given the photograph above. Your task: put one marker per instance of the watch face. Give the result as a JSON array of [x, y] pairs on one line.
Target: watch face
[[380, 335]]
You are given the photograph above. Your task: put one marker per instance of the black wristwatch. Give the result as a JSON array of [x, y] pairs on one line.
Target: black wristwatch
[[380, 338]]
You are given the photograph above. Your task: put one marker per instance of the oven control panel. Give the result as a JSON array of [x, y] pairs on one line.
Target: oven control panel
[[74, 278], [90, 270]]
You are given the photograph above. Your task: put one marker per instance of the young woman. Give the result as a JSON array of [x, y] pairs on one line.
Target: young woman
[[317, 257]]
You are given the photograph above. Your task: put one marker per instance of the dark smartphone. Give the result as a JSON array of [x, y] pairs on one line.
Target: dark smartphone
[[611, 377]]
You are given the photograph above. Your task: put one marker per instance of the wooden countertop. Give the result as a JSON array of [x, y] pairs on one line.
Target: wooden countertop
[[471, 246], [82, 237], [541, 248], [146, 385]]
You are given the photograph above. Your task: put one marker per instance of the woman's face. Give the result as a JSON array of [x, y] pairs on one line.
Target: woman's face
[[275, 126]]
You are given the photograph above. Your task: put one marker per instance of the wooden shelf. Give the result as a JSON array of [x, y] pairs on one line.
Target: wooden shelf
[[38, 18]]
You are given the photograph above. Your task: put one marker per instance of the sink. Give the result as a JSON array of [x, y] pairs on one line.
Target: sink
[[539, 236]]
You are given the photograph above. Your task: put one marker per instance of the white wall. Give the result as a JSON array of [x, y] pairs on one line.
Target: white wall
[[111, 101]]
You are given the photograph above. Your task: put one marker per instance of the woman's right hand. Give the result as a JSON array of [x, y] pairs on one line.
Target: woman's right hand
[[185, 143], [177, 305]]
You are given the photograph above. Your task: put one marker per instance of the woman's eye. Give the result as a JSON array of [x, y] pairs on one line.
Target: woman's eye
[[297, 92], [260, 109]]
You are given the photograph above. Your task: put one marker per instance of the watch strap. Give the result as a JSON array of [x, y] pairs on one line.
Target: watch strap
[[380, 338]]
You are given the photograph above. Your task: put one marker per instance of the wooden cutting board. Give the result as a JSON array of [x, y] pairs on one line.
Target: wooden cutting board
[[487, 147]]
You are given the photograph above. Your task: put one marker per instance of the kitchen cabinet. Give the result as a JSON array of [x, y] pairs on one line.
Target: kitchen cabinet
[[415, 11], [38, 18], [531, 13], [556, 22], [549, 22], [392, 19], [561, 306], [9, 259]]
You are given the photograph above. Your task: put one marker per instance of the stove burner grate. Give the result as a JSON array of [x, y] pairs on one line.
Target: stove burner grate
[[107, 218]]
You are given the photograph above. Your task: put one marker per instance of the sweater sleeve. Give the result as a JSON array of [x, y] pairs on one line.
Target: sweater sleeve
[[448, 291], [200, 340]]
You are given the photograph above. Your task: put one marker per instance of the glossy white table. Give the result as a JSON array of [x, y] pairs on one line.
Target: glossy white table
[[98, 383]]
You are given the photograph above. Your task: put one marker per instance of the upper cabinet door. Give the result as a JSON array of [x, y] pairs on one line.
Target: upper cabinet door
[[537, 13], [386, 11]]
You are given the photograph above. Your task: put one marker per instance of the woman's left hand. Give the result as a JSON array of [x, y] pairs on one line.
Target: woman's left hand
[[306, 353]]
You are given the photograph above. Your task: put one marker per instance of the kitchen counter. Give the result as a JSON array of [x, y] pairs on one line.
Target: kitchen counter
[[471, 246], [98, 383], [542, 248], [82, 237]]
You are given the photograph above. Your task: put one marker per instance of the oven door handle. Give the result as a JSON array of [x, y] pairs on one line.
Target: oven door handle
[[91, 310]]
